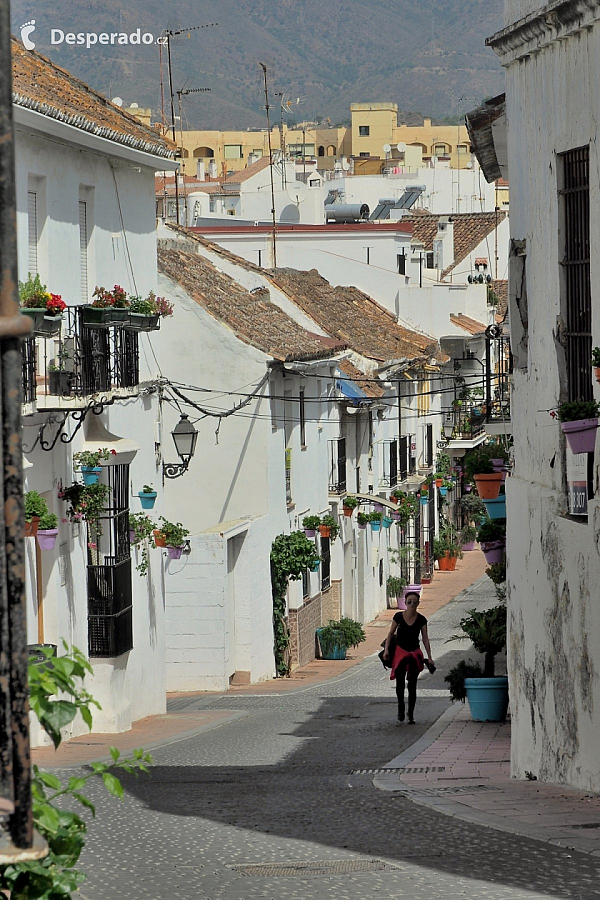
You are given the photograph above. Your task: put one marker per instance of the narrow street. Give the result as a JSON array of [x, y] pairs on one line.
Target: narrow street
[[274, 784]]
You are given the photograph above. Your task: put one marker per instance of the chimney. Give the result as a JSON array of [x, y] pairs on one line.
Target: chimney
[[212, 169], [200, 170], [443, 244]]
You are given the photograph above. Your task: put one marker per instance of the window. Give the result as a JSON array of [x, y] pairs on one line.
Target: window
[[337, 466], [321, 151], [428, 448], [403, 453], [441, 149], [389, 460], [258, 151], [301, 150], [429, 260], [364, 154], [233, 151], [364, 130], [305, 584], [83, 249], [32, 233], [231, 212], [462, 150], [401, 261], [412, 465], [302, 419], [325, 563], [576, 285]]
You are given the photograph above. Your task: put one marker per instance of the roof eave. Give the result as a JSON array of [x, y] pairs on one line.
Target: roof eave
[[486, 126]]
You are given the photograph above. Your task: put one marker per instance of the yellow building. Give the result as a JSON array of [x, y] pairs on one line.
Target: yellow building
[[374, 135]]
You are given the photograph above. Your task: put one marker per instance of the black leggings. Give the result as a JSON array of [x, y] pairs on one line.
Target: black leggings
[[411, 679]]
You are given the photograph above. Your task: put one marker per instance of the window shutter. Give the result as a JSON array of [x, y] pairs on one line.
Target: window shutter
[[32, 248]]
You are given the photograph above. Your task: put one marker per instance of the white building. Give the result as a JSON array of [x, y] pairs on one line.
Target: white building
[[85, 216], [551, 55]]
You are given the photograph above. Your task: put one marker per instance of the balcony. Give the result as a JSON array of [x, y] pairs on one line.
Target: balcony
[[81, 361]]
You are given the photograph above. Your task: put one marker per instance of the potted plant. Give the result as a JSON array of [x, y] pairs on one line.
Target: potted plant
[[174, 535], [362, 520], [337, 636], [44, 308], [310, 525], [144, 313], [447, 549], [147, 496], [486, 692], [47, 531], [492, 537], [479, 467], [497, 572], [386, 521], [87, 502], [596, 362], [88, 461], [141, 527], [329, 528], [394, 588], [468, 535], [408, 505], [60, 381], [35, 508], [579, 422], [374, 519], [473, 507], [350, 504]]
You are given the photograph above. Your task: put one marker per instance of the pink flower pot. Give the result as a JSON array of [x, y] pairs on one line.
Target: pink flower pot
[[47, 539], [581, 435], [493, 551]]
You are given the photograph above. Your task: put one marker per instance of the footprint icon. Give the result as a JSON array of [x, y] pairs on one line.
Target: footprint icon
[[26, 30]]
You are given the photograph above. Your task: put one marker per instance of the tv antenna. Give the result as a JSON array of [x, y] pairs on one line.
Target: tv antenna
[[183, 93], [267, 108]]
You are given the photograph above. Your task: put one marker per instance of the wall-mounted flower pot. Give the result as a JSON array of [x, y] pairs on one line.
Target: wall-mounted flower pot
[[597, 373], [310, 532], [325, 531], [386, 521], [60, 383], [31, 527], [581, 435], [488, 485], [140, 322], [90, 474], [131, 536], [96, 316], [443, 491], [49, 327], [423, 500], [159, 539], [493, 551], [362, 525], [36, 315], [375, 526], [468, 546], [147, 499], [467, 488], [488, 698], [315, 566], [439, 482], [378, 507], [175, 552], [496, 509], [119, 316], [47, 538], [348, 510]]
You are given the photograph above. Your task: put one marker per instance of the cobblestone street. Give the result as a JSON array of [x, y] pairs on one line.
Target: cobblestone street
[[275, 783]]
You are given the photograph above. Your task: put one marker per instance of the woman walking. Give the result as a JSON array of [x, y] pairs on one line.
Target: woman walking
[[407, 660]]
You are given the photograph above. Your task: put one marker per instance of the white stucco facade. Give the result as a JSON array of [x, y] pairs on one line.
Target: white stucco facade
[[552, 68]]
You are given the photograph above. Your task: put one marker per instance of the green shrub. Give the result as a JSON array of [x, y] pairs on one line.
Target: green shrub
[[492, 530], [580, 409], [466, 668], [342, 633], [48, 522], [35, 505]]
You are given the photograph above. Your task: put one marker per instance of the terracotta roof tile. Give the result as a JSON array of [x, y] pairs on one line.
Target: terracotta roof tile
[[248, 172], [470, 229], [353, 317], [251, 316], [44, 87], [470, 325], [190, 184], [368, 386], [500, 288]]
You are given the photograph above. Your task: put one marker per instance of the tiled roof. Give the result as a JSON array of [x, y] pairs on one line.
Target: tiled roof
[[40, 85], [190, 184], [470, 325], [369, 386], [251, 316], [216, 248], [500, 288], [353, 317], [470, 229], [248, 172]]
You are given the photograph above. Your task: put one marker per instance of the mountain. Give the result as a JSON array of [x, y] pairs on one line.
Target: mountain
[[428, 56]]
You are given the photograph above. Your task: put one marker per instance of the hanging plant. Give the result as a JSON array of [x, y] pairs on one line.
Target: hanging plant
[[87, 502], [141, 527], [291, 555]]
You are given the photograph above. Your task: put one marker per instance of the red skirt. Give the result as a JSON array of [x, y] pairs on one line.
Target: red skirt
[[405, 659]]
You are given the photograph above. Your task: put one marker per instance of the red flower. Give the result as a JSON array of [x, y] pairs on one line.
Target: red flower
[[114, 452], [55, 305]]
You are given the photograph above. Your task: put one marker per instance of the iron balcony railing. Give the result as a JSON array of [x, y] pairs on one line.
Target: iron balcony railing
[[81, 360], [29, 370]]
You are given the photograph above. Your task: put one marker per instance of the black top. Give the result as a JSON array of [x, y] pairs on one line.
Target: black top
[[407, 636]]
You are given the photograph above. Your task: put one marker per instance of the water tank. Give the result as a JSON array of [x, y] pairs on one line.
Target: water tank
[[346, 212]]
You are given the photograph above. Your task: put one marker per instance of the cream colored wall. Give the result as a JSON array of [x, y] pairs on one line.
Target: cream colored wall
[[380, 119]]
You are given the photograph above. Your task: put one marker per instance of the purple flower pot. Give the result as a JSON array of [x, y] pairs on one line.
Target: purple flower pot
[[581, 435], [469, 546], [174, 552], [131, 536], [47, 539], [378, 507], [493, 551], [363, 526], [310, 532], [468, 488]]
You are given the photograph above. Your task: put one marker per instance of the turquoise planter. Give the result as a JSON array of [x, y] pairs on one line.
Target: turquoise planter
[[488, 698], [90, 474], [386, 521], [336, 652], [496, 509], [147, 499], [375, 526], [443, 491]]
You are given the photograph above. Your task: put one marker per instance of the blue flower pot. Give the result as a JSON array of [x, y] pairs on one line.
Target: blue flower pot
[[336, 652], [488, 698], [375, 526], [386, 521], [90, 474], [496, 509], [443, 491], [315, 566], [147, 499]]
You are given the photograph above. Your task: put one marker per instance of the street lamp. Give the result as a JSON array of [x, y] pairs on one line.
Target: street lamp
[[448, 428], [184, 438]]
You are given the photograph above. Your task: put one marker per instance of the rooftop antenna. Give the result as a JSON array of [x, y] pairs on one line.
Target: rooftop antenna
[[167, 36], [180, 94], [267, 108]]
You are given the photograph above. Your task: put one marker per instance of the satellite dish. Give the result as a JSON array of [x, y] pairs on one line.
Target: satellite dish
[[117, 101], [297, 192], [386, 148], [134, 106], [401, 147]]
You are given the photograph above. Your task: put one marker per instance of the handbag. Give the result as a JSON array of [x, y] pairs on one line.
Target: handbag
[[387, 664]]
